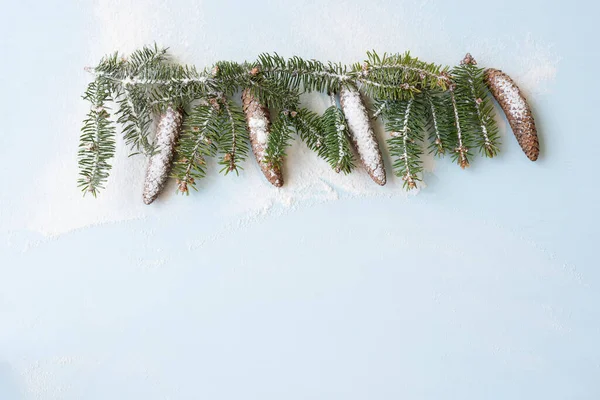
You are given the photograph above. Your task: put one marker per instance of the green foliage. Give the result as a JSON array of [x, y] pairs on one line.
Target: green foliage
[[461, 138], [279, 139], [309, 127], [337, 144], [233, 140], [197, 141], [111, 68], [398, 76], [393, 77], [298, 73], [475, 108], [97, 141], [272, 93], [178, 85], [145, 60], [405, 120], [439, 122], [134, 115]]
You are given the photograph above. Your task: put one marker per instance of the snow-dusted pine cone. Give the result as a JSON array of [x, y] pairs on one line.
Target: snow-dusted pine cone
[[259, 125], [517, 111], [159, 164], [361, 133]]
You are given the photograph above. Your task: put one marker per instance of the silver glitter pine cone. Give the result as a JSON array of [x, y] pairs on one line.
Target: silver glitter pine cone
[[258, 120], [159, 163], [361, 133]]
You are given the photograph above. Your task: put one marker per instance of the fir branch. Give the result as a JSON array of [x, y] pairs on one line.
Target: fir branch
[[398, 76], [111, 68], [379, 108], [279, 139], [197, 141], [165, 84], [437, 123], [233, 140], [471, 92], [310, 128], [313, 75], [274, 80], [405, 122], [298, 73], [273, 93], [97, 140], [393, 91], [337, 141], [404, 69], [135, 116], [145, 58], [179, 84], [462, 139]]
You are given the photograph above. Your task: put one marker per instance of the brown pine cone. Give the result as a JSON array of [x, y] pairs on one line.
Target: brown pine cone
[[517, 111], [259, 125]]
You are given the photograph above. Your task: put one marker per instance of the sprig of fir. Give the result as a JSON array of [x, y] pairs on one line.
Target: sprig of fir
[[97, 140], [404, 120]]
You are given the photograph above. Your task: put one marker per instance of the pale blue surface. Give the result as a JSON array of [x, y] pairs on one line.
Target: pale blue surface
[[484, 286]]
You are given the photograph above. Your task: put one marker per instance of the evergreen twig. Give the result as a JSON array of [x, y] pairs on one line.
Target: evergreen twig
[[97, 141], [404, 120], [337, 141], [437, 123], [478, 117], [233, 140], [462, 139], [279, 138], [198, 140], [309, 127]]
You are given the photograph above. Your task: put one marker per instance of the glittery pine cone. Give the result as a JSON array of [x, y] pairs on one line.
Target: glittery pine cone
[[517, 111], [259, 125], [361, 133], [159, 164]]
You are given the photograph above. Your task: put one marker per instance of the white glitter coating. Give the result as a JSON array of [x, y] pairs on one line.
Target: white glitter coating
[[362, 133], [159, 163]]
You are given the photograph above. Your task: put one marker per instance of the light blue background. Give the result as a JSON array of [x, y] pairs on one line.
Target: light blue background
[[484, 286]]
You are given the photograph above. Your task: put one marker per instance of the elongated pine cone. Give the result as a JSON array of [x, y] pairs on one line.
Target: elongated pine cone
[[517, 111], [361, 133], [259, 126], [159, 164]]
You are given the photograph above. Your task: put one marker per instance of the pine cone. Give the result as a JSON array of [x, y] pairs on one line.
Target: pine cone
[[361, 133], [517, 111], [259, 124], [159, 164]]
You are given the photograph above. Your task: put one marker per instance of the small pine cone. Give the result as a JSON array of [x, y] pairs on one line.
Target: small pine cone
[[361, 133], [259, 124], [468, 60], [464, 162], [517, 111], [159, 164]]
